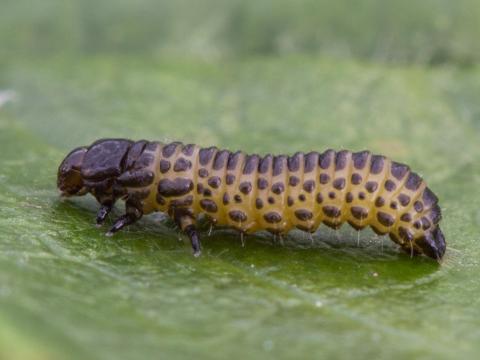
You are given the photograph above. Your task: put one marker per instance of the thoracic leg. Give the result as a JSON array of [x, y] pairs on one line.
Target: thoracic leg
[[103, 212], [186, 222], [133, 214]]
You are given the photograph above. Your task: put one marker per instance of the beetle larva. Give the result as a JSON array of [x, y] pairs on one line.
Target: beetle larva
[[251, 193]]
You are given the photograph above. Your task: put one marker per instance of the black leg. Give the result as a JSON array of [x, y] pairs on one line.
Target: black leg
[[191, 232], [133, 214], [102, 213]]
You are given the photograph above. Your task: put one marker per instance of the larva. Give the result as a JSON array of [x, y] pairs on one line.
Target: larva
[[251, 193]]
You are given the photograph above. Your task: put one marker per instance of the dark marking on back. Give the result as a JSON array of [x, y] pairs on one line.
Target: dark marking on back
[[251, 164], [262, 183], [278, 188], [136, 178], [278, 164], [164, 166], [309, 185], [406, 217], [356, 179], [360, 159], [134, 153], [271, 200], [293, 162], [331, 211], [259, 203], [359, 212], [361, 195], [390, 185], [324, 178], [371, 186], [169, 149], [290, 201], [325, 158], [398, 170], [186, 201], [272, 217], [237, 198], [319, 198], [182, 164], [385, 219], [339, 183], [377, 164], [302, 197], [220, 159], [429, 198], [230, 179], [188, 149], [205, 155], [418, 206], [264, 164], [379, 202], [208, 205], [404, 199], [341, 160], [413, 182], [233, 160], [293, 180], [202, 172], [214, 182], [176, 187], [332, 195], [349, 197], [310, 160], [237, 215], [303, 214], [245, 187], [226, 199]]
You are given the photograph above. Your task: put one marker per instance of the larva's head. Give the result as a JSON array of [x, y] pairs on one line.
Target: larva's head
[[69, 177], [94, 168]]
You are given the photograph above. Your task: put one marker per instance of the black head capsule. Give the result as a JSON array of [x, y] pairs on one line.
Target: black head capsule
[[69, 178]]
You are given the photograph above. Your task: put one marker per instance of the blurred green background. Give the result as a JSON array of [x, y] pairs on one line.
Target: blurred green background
[[400, 78]]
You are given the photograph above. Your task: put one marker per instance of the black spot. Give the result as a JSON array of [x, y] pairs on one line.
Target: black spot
[[203, 173], [186, 201], [200, 188], [188, 149], [214, 182], [356, 178], [310, 160], [309, 185], [233, 160], [145, 160], [360, 159], [435, 214], [230, 179], [262, 183], [278, 164], [182, 164], [264, 164], [207, 192], [379, 202], [134, 153], [293, 162], [413, 182], [341, 160], [221, 158], [429, 198], [339, 183], [293, 180], [377, 164], [226, 199], [390, 185], [324, 178], [208, 205], [319, 198], [237, 198], [259, 203], [272, 217], [331, 211], [385, 219], [152, 146], [404, 199], [303, 214], [371, 186], [325, 159], [176, 187], [425, 223], [359, 212], [237, 215], [301, 197], [349, 197], [417, 224], [394, 205], [251, 164], [406, 217], [418, 206], [399, 170], [136, 178], [169, 149], [361, 195], [271, 200], [290, 201], [164, 166], [245, 187], [278, 188], [205, 155]]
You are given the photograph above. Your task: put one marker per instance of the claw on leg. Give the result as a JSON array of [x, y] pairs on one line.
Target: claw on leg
[[102, 214], [193, 235], [132, 215]]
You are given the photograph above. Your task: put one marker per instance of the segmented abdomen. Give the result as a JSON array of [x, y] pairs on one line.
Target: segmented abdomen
[[277, 193]]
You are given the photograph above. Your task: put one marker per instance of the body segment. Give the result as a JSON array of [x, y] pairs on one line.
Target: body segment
[[274, 193]]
